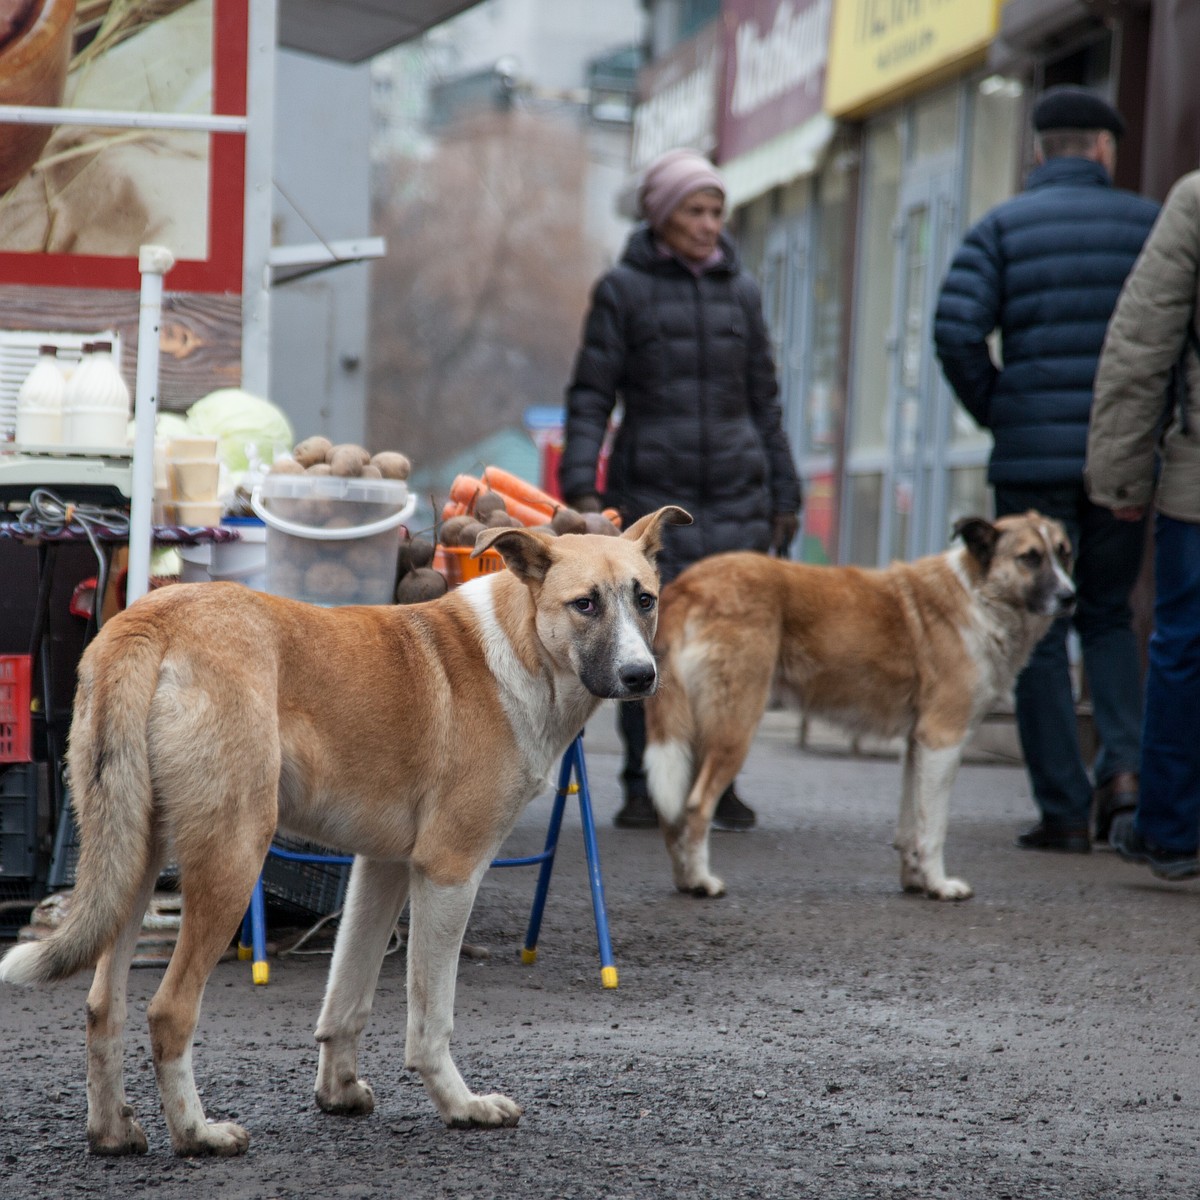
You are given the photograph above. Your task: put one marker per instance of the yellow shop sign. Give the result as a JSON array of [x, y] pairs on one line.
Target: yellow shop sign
[[881, 48]]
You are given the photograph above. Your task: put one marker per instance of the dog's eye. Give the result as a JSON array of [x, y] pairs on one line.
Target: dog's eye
[[646, 602], [1032, 559], [1064, 554], [585, 604]]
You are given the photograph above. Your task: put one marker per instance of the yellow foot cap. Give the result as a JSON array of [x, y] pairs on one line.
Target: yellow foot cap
[[608, 977]]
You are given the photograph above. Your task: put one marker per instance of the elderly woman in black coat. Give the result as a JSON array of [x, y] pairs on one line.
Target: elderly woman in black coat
[[676, 333]]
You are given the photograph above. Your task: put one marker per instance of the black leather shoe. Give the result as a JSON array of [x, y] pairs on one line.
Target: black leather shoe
[[731, 815], [1065, 839], [1116, 795], [638, 811], [1129, 843]]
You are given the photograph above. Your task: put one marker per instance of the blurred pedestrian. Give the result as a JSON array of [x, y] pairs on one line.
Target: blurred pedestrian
[[1044, 268], [675, 332], [1147, 415]]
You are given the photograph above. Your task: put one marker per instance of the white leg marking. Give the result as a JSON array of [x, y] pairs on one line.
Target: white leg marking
[[669, 774], [933, 778], [438, 919]]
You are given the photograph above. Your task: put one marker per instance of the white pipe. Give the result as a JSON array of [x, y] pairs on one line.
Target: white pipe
[[104, 118], [153, 263]]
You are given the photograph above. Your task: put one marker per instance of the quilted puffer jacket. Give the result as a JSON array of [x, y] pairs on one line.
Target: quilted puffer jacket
[[1136, 422], [689, 358], [1045, 269]]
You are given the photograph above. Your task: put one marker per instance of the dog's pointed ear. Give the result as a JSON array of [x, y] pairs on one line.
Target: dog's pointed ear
[[648, 529], [979, 537], [526, 554]]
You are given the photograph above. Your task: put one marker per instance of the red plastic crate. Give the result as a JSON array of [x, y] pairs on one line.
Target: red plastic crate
[[15, 676]]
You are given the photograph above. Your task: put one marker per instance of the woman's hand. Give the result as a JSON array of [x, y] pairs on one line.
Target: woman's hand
[[784, 527]]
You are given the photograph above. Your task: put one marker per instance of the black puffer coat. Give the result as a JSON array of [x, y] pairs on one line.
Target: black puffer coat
[[1044, 268], [688, 356]]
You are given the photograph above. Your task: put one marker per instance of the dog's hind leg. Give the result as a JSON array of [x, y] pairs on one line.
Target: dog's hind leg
[[111, 1126], [217, 875], [437, 921], [374, 898], [924, 815]]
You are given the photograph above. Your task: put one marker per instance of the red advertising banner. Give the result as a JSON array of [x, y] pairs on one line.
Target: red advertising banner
[[74, 213], [775, 56]]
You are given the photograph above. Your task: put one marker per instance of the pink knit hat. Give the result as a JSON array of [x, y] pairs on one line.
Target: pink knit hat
[[670, 179]]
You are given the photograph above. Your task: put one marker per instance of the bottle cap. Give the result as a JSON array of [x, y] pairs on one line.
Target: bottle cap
[[50, 350], [102, 347]]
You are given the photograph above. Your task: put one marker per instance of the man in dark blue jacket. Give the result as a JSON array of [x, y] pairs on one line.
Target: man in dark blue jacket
[[1044, 269]]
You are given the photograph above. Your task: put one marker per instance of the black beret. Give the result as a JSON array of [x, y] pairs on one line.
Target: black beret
[[1070, 107]]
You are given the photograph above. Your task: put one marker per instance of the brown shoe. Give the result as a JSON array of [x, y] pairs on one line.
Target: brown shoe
[[1115, 795]]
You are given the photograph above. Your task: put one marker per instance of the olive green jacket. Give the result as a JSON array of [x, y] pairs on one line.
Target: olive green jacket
[[1146, 337]]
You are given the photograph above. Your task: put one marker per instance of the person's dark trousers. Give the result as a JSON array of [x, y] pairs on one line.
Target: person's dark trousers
[[1168, 812], [1108, 555], [631, 720]]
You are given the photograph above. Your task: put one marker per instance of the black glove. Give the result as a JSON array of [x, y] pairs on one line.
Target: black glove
[[589, 502], [784, 527]]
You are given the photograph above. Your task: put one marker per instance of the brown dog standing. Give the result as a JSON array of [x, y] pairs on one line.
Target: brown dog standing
[[412, 737], [916, 650]]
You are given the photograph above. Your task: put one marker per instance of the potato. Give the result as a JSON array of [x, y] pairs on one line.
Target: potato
[[598, 523], [364, 456], [312, 450], [286, 466], [422, 584], [345, 461], [370, 471], [320, 468], [392, 464], [567, 520]]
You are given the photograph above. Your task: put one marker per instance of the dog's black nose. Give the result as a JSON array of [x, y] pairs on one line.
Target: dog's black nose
[[637, 677]]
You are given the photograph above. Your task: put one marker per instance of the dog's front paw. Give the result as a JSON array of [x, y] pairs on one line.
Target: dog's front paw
[[125, 1137], [221, 1139], [354, 1098], [487, 1111], [705, 886], [950, 889]]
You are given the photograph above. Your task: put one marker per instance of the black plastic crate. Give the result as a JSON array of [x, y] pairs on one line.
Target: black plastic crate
[[302, 889], [298, 889], [18, 821]]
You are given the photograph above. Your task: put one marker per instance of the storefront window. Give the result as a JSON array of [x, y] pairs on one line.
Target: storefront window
[[821, 408], [995, 144], [866, 500], [875, 288], [935, 124]]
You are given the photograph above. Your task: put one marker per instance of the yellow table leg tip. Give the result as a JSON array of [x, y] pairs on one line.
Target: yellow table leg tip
[[245, 953], [529, 956], [608, 977], [261, 972]]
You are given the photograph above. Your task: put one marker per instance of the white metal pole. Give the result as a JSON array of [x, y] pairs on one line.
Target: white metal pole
[[153, 263]]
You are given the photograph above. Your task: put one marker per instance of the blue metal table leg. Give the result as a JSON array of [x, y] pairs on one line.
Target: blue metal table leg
[[608, 970], [260, 970], [529, 951]]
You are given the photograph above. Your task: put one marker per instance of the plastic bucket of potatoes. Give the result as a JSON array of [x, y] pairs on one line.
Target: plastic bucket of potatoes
[[332, 539]]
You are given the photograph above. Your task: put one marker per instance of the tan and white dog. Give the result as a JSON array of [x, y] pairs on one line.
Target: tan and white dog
[[916, 650], [411, 737]]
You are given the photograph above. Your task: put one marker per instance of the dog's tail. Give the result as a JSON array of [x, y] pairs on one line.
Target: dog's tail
[[670, 719], [112, 801]]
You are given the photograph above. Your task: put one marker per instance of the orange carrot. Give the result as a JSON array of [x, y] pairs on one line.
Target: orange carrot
[[512, 485], [525, 513], [466, 489], [452, 508], [613, 516]]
